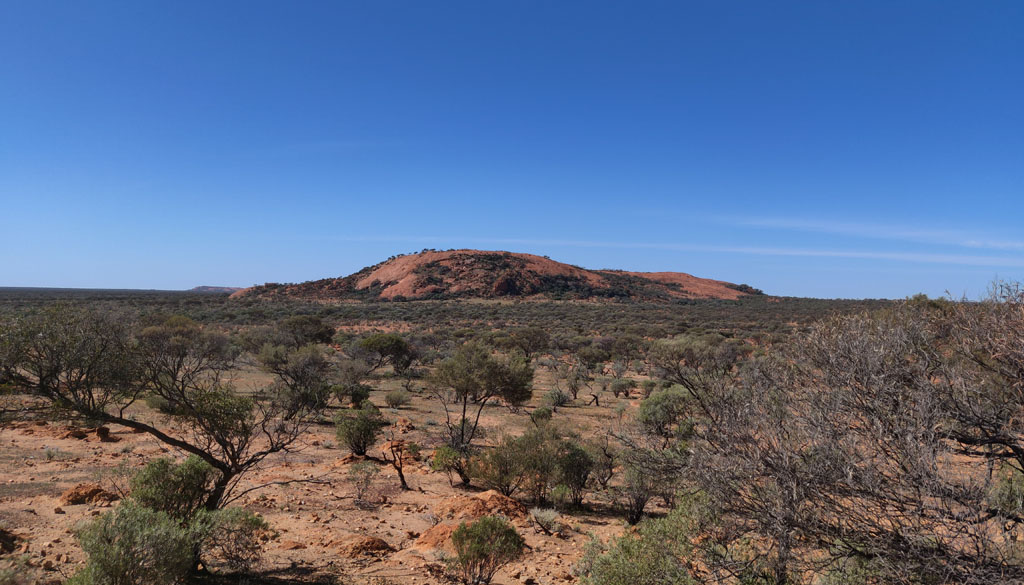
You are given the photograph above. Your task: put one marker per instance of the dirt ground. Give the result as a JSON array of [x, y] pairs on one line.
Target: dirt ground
[[323, 534]]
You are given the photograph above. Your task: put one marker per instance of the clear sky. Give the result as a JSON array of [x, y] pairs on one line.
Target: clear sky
[[836, 149]]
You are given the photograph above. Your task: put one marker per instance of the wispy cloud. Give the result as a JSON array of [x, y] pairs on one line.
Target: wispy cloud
[[895, 256], [878, 231]]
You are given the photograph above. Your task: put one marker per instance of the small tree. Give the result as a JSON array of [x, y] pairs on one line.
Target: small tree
[[530, 340], [467, 382], [575, 465], [501, 467], [358, 429], [483, 547], [382, 349], [91, 364], [396, 452], [362, 475], [397, 398]]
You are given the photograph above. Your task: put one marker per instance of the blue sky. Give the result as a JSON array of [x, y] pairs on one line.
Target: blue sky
[[834, 149]]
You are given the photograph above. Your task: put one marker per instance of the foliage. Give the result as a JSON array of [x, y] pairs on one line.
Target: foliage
[[575, 465], [546, 519], [134, 545], [362, 475], [555, 398], [665, 413], [229, 535], [483, 547], [658, 553], [501, 467], [397, 398], [358, 429], [467, 381], [447, 460], [179, 490], [540, 415], [381, 349]]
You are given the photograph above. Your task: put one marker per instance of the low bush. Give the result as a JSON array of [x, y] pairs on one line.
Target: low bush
[[546, 519], [556, 397], [397, 398], [358, 429], [177, 489], [447, 460], [483, 547], [134, 545]]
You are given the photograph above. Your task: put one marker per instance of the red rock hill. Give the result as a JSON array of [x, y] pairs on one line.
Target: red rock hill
[[485, 274]]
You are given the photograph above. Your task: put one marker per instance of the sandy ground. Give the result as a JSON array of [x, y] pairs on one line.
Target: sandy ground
[[320, 527]]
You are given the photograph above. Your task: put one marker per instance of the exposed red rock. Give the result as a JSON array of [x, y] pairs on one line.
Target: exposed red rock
[[87, 493], [452, 274]]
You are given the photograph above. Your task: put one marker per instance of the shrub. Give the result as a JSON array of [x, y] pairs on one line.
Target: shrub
[[540, 415], [660, 551], [500, 468], [664, 413], [539, 451], [134, 545], [177, 489], [357, 393], [483, 547], [546, 519], [574, 467], [181, 490], [446, 459], [362, 475], [397, 398], [556, 397], [638, 489], [561, 495], [231, 535], [622, 387], [358, 429]]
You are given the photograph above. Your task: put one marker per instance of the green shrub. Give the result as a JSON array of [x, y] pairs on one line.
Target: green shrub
[[358, 429], [500, 467], [575, 465], [134, 545], [541, 415], [397, 398], [664, 413], [622, 387], [358, 393], [659, 552], [539, 449], [483, 547], [447, 460], [231, 536], [557, 397], [560, 496], [178, 489]]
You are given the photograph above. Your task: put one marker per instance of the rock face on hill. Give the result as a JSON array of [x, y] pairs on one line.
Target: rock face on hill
[[456, 274], [215, 289]]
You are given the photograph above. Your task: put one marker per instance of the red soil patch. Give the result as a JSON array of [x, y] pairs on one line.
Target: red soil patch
[[437, 537], [87, 493], [359, 545], [489, 503]]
